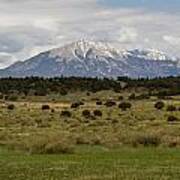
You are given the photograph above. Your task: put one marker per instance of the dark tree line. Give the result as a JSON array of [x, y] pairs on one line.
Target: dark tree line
[[63, 85]]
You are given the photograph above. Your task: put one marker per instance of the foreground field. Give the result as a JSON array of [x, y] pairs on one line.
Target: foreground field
[[93, 163], [45, 138]]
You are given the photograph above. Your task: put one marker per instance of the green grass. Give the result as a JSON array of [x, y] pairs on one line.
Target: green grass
[[93, 163], [27, 131]]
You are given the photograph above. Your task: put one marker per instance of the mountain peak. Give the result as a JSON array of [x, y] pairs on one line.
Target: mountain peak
[[88, 58]]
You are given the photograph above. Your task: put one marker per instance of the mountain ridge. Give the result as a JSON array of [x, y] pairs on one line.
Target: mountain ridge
[[95, 59]]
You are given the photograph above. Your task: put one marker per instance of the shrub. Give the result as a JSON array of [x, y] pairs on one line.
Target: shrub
[[77, 104], [6, 97], [86, 113], [11, 107], [63, 92], [66, 113], [132, 97], [172, 118], [147, 140], [120, 98], [97, 113], [81, 103], [143, 96], [125, 105], [99, 103], [171, 108], [159, 105], [45, 107], [110, 103], [1, 96], [88, 93], [13, 98]]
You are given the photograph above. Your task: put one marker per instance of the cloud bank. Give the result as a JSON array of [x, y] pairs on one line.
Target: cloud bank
[[32, 26]]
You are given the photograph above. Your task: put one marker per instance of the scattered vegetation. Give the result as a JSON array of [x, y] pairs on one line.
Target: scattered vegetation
[[66, 113], [45, 107], [172, 118], [171, 108], [97, 113], [11, 107], [110, 103], [99, 103], [147, 140], [124, 106], [159, 105], [86, 113]]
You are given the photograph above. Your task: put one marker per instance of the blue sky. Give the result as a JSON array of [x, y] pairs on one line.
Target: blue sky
[[161, 5], [32, 26]]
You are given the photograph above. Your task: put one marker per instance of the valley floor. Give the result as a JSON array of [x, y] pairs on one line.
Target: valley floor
[[47, 139], [93, 163]]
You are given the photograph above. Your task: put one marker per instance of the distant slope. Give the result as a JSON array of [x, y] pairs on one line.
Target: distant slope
[[91, 59]]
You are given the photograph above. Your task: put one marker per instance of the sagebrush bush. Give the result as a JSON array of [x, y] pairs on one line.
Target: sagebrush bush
[[66, 114], [110, 103], [97, 113], [159, 105], [86, 113], [11, 107], [132, 96], [99, 103], [120, 98], [147, 140], [125, 105], [45, 107], [52, 110], [88, 94], [172, 118], [1, 96], [76, 104], [171, 108]]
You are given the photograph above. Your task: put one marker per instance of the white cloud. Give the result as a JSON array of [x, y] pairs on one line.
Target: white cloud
[[175, 41], [29, 27], [127, 35], [6, 59]]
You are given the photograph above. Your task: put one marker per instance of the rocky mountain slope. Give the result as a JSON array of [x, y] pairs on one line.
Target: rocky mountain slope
[[91, 59]]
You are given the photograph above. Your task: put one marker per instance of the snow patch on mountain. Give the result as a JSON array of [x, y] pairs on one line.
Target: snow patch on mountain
[[91, 59]]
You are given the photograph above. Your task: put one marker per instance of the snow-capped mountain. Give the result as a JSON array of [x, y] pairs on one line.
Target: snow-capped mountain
[[95, 59]]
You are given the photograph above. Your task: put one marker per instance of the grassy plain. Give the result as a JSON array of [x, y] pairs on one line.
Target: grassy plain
[[135, 144]]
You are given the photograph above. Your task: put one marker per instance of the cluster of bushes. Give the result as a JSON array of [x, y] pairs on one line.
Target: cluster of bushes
[[89, 114], [125, 105], [110, 103], [160, 105], [170, 108], [77, 104]]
